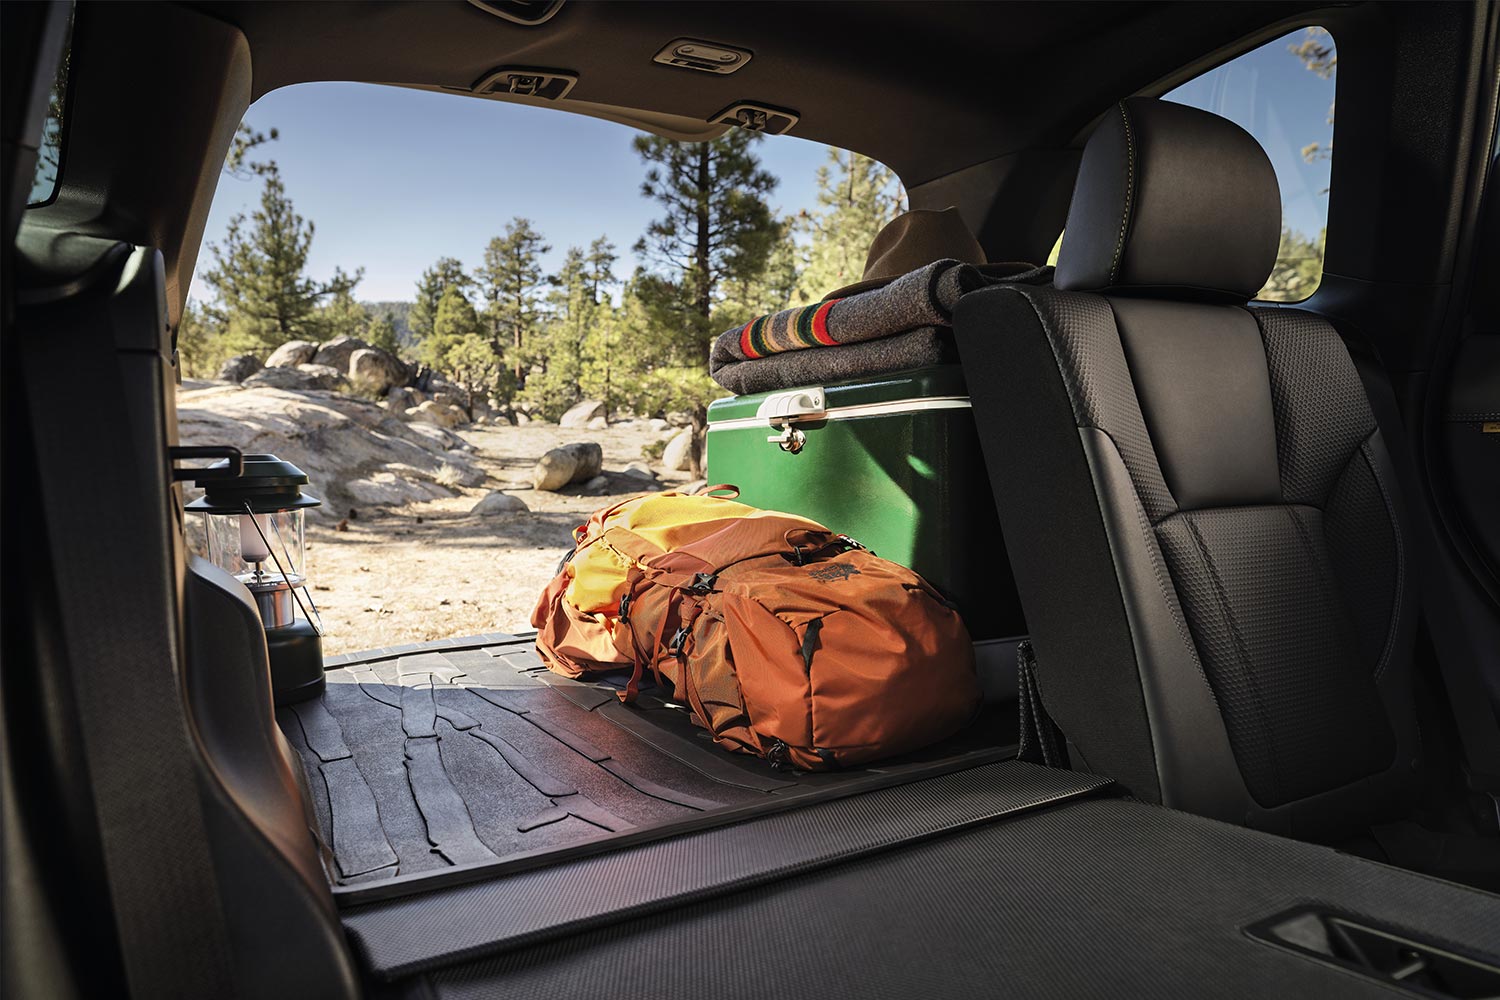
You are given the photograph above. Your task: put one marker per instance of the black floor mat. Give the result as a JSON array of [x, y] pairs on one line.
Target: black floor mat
[[428, 757]]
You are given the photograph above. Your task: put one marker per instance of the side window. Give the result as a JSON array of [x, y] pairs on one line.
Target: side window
[[1283, 94], [49, 154]]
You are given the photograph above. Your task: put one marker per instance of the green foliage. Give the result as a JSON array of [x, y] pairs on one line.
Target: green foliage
[[571, 358], [201, 350], [263, 295], [341, 315], [716, 230], [398, 314], [447, 273], [381, 332], [1299, 267], [246, 141], [716, 223], [512, 287], [858, 197], [459, 348]]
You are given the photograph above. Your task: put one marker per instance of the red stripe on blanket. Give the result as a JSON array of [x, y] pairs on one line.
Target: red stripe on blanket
[[746, 347], [820, 323]]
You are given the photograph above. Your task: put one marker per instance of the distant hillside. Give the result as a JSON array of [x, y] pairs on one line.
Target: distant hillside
[[399, 314]]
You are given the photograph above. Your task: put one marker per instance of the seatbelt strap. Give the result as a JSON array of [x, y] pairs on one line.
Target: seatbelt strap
[[1041, 740], [121, 662]]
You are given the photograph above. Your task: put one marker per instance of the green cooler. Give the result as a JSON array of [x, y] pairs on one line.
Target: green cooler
[[891, 460]]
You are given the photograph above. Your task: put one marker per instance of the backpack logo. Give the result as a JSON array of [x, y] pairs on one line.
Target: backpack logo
[[832, 572]]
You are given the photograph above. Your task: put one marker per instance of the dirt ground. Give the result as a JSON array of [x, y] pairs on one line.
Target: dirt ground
[[430, 570]]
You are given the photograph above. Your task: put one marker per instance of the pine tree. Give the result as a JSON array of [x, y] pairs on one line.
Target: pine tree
[[200, 348], [554, 353], [717, 228], [597, 361], [458, 346], [447, 273], [264, 296], [381, 332], [772, 290], [599, 266], [859, 196], [511, 284], [341, 315]]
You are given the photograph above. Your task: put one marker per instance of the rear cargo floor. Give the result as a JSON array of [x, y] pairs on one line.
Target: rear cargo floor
[[471, 753]]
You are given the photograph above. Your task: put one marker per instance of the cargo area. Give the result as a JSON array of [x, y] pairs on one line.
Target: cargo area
[[466, 757]]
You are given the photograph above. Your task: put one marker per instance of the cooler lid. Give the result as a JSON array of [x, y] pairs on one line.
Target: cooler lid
[[939, 381]]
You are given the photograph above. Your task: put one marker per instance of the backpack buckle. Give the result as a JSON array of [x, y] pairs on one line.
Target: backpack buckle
[[703, 583], [679, 639], [851, 543], [625, 609]]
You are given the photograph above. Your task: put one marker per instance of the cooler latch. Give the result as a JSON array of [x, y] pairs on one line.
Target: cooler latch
[[781, 409], [790, 439]]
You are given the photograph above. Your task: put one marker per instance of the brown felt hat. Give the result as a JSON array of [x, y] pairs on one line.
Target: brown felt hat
[[915, 240]]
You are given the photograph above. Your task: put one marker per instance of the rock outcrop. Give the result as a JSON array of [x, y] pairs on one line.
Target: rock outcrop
[[376, 371], [300, 378], [239, 368], [335, 353], [678, 455], [498, 504], [433, 412], [293, 353], [582, 414], [356, 453], [572, 463]]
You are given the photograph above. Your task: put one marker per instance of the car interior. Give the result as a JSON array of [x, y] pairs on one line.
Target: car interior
[[1254, 545]]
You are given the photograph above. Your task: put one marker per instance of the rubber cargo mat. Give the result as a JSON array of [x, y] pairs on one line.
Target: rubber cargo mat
[[425, 758]]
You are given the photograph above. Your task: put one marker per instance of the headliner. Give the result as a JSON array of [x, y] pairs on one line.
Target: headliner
[[927, 88]]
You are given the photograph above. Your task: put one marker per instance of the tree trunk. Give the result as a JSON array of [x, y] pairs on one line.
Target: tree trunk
[[705, 291], [700, 439]]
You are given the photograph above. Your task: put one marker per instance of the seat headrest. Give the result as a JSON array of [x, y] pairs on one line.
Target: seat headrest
[[1172, 202]]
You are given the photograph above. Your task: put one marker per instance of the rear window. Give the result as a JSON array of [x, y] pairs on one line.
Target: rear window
[[558, 295], [49, 154], [1283, 94]]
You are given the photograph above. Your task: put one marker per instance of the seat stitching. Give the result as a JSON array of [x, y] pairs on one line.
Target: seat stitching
[[1390, 509], [1307, 541], [1165, 584], [1114, 264], [1242, 653]]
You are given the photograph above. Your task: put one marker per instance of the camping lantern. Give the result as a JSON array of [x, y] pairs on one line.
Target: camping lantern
[[255, 533]]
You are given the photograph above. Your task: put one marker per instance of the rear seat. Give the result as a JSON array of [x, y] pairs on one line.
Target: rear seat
[[1216, 570]]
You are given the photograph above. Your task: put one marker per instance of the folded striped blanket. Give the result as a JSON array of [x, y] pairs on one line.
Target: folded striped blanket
[[922, 299], [920, 348]]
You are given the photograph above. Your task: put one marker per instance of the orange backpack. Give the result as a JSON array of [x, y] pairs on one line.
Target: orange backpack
[[786, 640]]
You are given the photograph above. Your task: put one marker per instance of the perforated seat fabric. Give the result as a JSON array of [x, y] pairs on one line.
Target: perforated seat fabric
[[1213, 560]]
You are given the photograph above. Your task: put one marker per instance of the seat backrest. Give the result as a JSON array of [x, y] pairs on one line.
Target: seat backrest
[[1213, 560]]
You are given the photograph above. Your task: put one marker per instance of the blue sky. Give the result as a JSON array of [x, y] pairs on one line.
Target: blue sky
[[396, 178]]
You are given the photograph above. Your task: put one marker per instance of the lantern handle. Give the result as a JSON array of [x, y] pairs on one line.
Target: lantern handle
[[233, 470], [314, 619]]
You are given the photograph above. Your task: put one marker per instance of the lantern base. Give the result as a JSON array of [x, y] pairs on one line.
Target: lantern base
[[296, 652]]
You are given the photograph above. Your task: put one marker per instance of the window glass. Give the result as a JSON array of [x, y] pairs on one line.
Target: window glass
[[1283, 94], [416, 332], [49, 155]]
